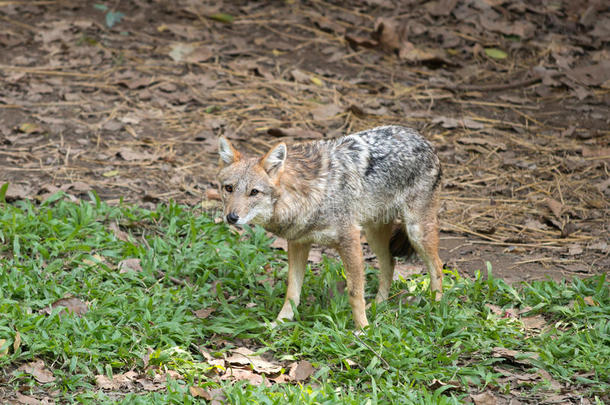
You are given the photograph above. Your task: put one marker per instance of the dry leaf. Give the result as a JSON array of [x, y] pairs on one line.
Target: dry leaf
[[120, 235], [450, 123], [471, 140], [204, 312], [555, 206], [72, 304], [239, 374], [200, 392], [128, 265], [212, 361], [534, 322], [117, 381], [38, 370], [279, 243], [16, 342], [589, 301], [16, 192], [3, 352], [514, 355], [244, 356], [131, 155], [390, 33], [301, 371], [182, 52], [484, 398], [496, 310], [326, 112], [27, 400]]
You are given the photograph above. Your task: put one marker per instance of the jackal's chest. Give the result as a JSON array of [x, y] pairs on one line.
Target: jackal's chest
[[306, 232]]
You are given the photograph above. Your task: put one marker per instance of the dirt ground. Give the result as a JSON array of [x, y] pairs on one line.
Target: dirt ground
[[127, 98]]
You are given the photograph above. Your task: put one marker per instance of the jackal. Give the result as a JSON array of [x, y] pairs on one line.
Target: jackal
[[385, 180]]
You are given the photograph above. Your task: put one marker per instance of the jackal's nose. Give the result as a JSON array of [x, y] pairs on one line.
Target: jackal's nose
[[232, 218]]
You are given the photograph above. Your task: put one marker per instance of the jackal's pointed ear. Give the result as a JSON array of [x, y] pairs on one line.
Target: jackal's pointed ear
[[273, 161], [228, 154]]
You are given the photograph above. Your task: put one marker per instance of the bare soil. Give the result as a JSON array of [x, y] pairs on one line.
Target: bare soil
[[515, 96]]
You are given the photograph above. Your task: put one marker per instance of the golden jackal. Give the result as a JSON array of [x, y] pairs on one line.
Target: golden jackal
[[385, 180]]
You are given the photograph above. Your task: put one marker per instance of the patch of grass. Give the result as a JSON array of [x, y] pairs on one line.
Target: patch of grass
[[417, 351]]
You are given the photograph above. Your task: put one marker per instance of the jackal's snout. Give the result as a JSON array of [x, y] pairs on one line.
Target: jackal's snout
[[232, 218]]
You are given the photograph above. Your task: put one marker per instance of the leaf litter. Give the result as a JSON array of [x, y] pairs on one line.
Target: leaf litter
[[75, 112]]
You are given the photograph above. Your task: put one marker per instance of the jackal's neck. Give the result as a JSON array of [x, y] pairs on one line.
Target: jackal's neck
[[300, 190]]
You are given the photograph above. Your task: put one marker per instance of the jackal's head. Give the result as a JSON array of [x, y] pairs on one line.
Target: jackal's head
[[248, 186]]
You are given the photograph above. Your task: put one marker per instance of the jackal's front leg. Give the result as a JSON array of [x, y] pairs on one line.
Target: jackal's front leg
[[297, 264], [350, 250]]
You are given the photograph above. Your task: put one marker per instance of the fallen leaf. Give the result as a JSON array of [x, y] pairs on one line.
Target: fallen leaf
[[3, 352], [30, 128], [496, 310], [117, 381], [589, 301], [301, 371], [596, 153], [450, 123], [326, 112], [441, 7], [514, 355], [72, 304], [127, 265], [240, 374], [244, 356], [534, 322], [111, 173], [592, 75], [413, 54], [222, 17], [555, 385], [356, 41], [484, 398], [390, 33], [149, 385], [183, 52], [495, 53], [16, 342], [16, 192], [472, 140], [204, 312], [38, 370], [555, 206], [118, 233], [574, 250], [78, 186], [131, 155], [211, 360], [200, 392], [27, 400], [279, 243]]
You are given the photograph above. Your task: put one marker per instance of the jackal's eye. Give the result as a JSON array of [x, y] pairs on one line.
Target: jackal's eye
[[254, 192], [228, 188]]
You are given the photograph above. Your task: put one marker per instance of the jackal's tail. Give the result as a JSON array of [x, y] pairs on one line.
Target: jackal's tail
[[400, 246]]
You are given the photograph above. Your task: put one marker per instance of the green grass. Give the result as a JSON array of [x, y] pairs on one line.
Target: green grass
[[62, 249]]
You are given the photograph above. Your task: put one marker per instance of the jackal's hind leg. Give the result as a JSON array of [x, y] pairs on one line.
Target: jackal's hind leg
[[297, 264], [424, 237], [378, 237]]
